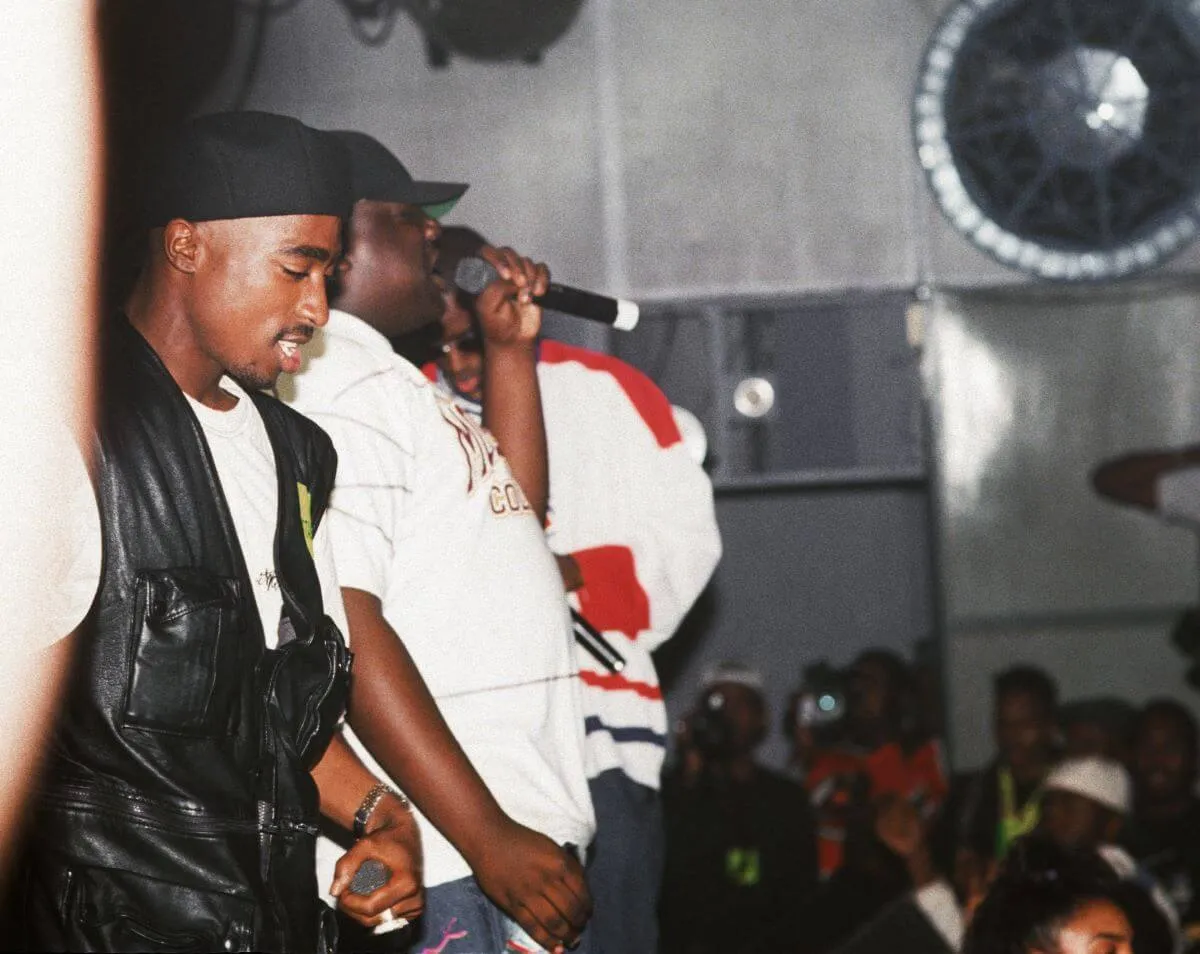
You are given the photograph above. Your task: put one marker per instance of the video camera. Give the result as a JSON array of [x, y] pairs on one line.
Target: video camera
[[711, 731], [821, 700]]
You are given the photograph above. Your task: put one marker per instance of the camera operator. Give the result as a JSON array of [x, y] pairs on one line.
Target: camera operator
[[740, 851], [879, 747]]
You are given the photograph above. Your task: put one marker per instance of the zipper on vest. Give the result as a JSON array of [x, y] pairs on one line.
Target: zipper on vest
[[193, 821]]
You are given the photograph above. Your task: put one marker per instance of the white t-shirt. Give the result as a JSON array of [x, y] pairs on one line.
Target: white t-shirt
[[633, 508], [245, 463], [427, 516]]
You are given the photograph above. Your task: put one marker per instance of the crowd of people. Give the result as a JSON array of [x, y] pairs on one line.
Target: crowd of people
[[869, 845]]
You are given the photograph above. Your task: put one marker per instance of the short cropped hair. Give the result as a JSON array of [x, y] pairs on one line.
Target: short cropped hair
[[1029, 680], [1177, 713]]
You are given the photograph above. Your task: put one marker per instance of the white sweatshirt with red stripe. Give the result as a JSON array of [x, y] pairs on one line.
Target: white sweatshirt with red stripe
[[636, 512]]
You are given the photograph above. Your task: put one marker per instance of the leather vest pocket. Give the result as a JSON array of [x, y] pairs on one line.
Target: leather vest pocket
[[307, 689], [112, 910], [184, 675], [325, 708]]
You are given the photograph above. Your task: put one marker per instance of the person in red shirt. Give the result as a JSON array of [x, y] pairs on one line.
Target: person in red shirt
[[880, 748]]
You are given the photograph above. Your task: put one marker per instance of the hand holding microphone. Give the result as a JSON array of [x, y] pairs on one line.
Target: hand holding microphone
[[473, 275], [506, 304], [372, 875], [378, 881]]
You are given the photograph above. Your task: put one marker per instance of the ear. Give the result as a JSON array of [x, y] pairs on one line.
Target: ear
[[182, 245]]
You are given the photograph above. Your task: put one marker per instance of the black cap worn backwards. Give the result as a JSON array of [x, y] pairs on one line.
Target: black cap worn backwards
[[378, 175], [246, 165]]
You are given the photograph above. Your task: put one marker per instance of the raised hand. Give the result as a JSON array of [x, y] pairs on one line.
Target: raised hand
[[505, 308]]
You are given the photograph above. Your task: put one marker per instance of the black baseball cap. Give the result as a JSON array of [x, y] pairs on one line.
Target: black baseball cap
[[378, 175], [247, 164]]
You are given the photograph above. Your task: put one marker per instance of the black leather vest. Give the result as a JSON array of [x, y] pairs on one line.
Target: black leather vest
[[178, 811]]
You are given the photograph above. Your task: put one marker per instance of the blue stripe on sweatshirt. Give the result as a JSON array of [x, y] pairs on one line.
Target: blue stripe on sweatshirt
[[627, 734]]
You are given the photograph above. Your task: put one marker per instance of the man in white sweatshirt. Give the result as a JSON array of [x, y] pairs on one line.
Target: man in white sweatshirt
[[443, 564]]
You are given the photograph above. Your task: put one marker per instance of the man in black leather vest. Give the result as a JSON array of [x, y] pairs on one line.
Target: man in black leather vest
[[196, 747]]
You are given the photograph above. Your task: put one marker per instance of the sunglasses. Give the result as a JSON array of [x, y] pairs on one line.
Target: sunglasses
[[468, 342]]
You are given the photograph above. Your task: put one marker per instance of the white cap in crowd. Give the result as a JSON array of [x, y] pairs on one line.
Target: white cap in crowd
[[1104, 781]]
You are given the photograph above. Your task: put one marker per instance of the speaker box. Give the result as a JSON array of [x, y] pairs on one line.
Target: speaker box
[[795, 392]]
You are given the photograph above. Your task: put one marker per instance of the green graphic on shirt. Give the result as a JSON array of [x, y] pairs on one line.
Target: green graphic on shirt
[[306, 524], [743, 867]]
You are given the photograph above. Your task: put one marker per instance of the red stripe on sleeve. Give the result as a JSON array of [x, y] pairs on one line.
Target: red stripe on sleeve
[[611, 596], [615, 682], [651, 404]]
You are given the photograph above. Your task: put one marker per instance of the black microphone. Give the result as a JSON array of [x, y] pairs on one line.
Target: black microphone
[[473, 275], [594, 642]]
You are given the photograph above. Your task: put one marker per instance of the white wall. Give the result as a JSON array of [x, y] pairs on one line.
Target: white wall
[[665, 148], [1129, 660], [1031, 389]]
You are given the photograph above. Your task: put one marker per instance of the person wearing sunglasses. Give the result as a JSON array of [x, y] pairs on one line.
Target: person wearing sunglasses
[[630, 519]]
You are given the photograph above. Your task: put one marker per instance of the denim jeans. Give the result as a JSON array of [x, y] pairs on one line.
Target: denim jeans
[[458, 919], [625, 869]]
